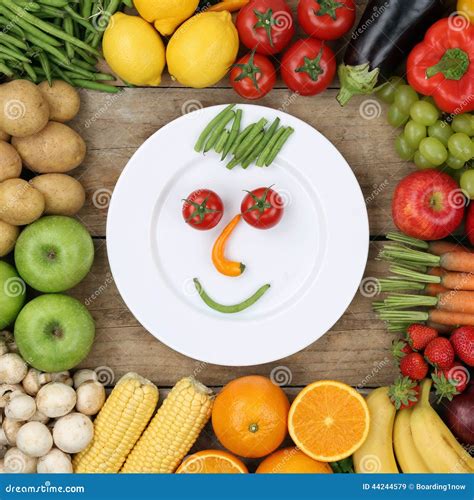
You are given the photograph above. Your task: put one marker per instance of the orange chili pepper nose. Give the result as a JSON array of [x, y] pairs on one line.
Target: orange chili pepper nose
[[223, 265]]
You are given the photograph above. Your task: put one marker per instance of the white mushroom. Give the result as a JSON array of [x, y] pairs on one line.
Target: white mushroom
[[90, 397], [9, 391], [39, 417], [73, 432], [84, 375], [3, 438], [11, 428], [34, 380], [34, 439], [12, 368], [21, 407], [54, 462], [63, 377], [55, 399], [15, 461]]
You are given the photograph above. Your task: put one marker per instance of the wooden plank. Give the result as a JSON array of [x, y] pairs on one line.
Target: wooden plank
[[354, 351], [115, 126]]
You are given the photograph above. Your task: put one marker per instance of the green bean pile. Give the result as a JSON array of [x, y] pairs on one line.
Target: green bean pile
[[253, 144], [46, 39]]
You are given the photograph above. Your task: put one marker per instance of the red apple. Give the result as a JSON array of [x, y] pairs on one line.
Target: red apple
[[469, 224], [428, 205]]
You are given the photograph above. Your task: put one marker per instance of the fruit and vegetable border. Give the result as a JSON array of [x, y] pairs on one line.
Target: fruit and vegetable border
[[56, 418]]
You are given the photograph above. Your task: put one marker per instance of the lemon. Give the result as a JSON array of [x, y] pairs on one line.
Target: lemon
[[134, 50], [167, 15], [202, 49]]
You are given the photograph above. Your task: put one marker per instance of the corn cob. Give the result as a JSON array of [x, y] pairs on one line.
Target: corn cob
[[173, 430], [119, 425]]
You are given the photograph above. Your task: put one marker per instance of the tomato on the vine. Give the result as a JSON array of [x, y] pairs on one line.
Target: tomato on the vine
[[203, 209], [308, 66], [326, 19], [262, 208], [265, 26], [253, 76]]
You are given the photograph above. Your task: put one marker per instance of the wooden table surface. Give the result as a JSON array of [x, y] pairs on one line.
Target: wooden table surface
[[355, 350]]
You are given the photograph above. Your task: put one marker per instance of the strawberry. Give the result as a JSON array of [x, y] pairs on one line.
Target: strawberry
[[414, 366], [400, 349], [450, 382], [419, 335], [440, 353], [462, 340], [404, 392]]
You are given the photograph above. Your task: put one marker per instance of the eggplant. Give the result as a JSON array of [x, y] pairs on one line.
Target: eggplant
[[387, 31]]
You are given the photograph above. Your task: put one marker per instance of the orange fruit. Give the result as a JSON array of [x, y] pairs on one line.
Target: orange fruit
[[212, 462], [328, 420], [250, 415], [292, 461]]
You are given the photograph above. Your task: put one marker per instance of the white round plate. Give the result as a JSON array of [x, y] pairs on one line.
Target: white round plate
[[314, 258]]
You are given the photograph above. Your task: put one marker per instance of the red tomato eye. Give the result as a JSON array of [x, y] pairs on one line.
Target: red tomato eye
[[262, 208], [203, 209]]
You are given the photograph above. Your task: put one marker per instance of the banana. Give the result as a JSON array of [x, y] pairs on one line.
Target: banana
[[434, 441], [406, 452], [376, 454]]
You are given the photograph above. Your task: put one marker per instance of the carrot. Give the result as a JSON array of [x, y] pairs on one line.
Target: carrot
[[435, 247], [433, 315], [450, 281], [224, 266], [453, 301], [458, 281], [435, 289], [458, 261], [229, 5]]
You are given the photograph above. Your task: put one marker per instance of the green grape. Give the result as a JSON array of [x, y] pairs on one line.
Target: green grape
[[404, 98], [460, 146], [441, 130], [433, 150], [467, 182], [421, 162], [429, 99], [454, 162], [387, 92], [464, 123], [424, 112], [414, 132], [395, 116], [472, 148], [404, 150]]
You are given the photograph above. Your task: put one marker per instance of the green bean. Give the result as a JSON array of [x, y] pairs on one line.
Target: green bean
[[30, 72], [28, 28], [247, 159], [9, 26], [210, 127], [268, 148], [242, 149], [49, 28], [5, 69], [29, 6], [215, 134], [87, 84], [52, 12], [44, 61], [86, 57], [12, 40], [234, 132], [104, 77], [13, 53], [278, 145], [253, 155], [221, 141], [233, 308], [56, 3], [83, 64], [239, 159], [88, 75], [86, 9], [78, 19], [54, 51], [242, 135], [60, 73], [68, 28]]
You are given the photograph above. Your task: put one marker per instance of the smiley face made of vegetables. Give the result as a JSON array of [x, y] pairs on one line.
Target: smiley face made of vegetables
[[262, 208]]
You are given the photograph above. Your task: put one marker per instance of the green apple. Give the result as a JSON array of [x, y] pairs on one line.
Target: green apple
[[54, 253], [12, 294], [54, 332]]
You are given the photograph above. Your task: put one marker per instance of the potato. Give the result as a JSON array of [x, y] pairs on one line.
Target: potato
[[63, 99], [23, 109], [4, 136], [20, 202], [63, 195], [10, 162], [8, 236], [56, 149]]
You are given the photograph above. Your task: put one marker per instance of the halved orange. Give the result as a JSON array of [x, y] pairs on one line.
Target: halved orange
[[212, 462], [328, 420]]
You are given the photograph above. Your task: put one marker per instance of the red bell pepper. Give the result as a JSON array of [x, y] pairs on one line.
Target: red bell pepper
[[442, 65]]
